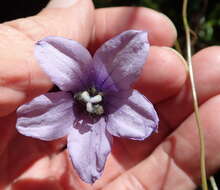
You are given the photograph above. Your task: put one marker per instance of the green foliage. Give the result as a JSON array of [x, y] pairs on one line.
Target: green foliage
[[210, 25]]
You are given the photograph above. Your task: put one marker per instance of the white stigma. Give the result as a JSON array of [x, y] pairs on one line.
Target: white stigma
[[96, 99], [90, 101], [89, 107], [85, 96]]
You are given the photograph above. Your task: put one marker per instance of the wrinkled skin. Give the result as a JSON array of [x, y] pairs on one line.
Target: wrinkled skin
[[167, 160]]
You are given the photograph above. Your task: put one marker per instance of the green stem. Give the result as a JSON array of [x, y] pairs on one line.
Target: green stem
[[195, 100]]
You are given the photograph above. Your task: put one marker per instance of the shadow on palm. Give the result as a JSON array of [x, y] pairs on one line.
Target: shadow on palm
[[18, 153]]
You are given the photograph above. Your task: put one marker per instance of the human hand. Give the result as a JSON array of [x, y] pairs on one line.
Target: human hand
[[32, 164]]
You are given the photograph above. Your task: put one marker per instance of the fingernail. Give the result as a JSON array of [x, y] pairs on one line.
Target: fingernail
[[180, 56], [61, 3]]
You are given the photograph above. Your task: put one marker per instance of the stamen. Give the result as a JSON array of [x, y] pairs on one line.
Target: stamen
[[96, 99], [98, 109], [85, 96], [89, 107], [91, 103]]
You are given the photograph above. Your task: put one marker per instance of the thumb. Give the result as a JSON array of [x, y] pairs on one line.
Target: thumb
[[21, 78]]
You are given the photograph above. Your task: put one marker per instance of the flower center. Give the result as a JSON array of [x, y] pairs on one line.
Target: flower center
[[91, 100]]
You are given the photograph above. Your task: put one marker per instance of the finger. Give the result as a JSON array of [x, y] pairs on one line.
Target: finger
[[20, 76], [157, 83], [175, 163], [69, 18], [170, 111], [7, 131], [111, 21], [174, 110], [163, 75], [206, 71]]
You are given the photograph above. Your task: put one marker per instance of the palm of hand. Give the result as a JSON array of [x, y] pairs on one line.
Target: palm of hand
[[40, 165], [156, 163]]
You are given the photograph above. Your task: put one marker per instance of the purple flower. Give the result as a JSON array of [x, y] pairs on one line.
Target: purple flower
[[96, 100]]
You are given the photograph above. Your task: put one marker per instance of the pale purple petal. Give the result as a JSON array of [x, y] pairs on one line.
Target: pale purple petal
[[64, 61], [134, 118], [89, 145], [119, 61], [46, 117]]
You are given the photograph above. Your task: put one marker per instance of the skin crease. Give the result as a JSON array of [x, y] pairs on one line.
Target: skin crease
[[166, 160]]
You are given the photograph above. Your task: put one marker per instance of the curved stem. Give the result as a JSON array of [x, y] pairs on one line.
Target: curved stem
[[194, 94]]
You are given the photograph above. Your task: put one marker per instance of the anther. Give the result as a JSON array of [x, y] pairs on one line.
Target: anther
[[85, 96], [91, 103], [96, 99]]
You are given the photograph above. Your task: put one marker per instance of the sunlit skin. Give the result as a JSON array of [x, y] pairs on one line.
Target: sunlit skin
[[167, 160]]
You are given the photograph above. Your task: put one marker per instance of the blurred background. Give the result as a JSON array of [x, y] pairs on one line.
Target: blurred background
[[204, 19]]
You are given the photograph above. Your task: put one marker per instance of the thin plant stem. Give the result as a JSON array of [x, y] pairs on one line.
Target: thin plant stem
[[213, 183], [195, 99]]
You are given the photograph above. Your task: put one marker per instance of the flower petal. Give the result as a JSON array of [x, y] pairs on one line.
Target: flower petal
[[120, 60], [64, 60], [135, 118], [89, 145], [46, 117]]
